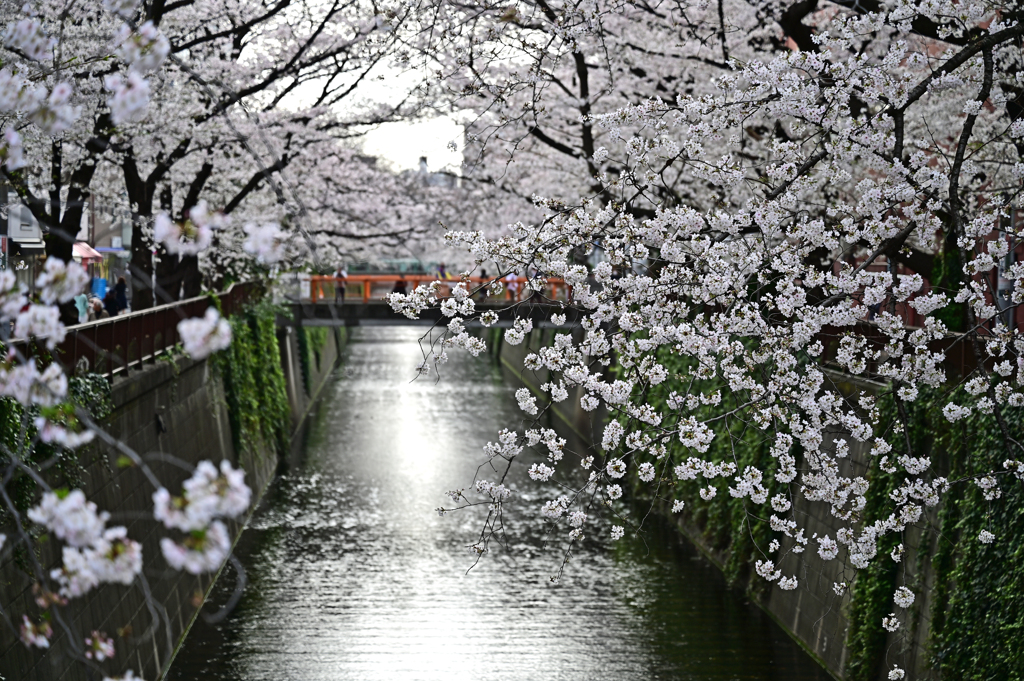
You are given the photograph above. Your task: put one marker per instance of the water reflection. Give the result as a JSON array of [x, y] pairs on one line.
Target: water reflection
[[354, 576]]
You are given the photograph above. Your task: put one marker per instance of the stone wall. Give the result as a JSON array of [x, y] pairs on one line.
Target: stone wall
[[303, 393], [170, 409]]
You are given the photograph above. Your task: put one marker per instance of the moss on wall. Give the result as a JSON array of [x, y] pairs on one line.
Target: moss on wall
[[254, 381], [977, 604], [312, 340], [978, 616], [733, 527]]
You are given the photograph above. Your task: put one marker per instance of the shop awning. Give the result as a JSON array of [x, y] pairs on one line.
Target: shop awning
[[119, 252], [86, 253]]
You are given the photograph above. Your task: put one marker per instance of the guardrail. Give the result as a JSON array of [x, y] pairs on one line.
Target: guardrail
[[115, 345], [366, 287]]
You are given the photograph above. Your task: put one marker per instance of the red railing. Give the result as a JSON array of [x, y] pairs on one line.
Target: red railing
[[368, 287], [114, 345]]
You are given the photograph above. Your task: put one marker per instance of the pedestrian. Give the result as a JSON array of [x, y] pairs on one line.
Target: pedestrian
[[442, 273], [82, 305], [399, 286], [98, 311], [110, 303], [512, 284], [121, 294], [340, 279]]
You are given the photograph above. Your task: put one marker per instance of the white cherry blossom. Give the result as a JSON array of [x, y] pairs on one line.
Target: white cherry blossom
[[202, 336]]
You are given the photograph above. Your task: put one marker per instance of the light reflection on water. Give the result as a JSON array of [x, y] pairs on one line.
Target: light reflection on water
[[354, 576]]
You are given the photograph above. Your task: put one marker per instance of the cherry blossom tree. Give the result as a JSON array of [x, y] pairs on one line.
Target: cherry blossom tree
[[743, 196], [201, 115], [53, 50], [76, 91], [750, 196], [246, 92]]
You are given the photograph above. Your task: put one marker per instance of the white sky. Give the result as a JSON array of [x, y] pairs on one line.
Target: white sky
[[402, 144]]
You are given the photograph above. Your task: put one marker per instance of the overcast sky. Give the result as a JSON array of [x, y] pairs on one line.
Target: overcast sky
[[402, 144]]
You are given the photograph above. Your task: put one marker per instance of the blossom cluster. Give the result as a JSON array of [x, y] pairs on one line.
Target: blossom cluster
[[93, 554], [207, 496], [191, 236], [203, 336], [752, 239]]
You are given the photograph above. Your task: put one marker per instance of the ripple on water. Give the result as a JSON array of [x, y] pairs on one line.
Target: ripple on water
[[353, 575]]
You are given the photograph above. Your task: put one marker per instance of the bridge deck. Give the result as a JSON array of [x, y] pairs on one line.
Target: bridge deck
[[329, 313], [369, 288]]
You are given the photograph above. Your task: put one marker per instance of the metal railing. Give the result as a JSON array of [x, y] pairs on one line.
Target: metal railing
[[369, 287], [115, 345]]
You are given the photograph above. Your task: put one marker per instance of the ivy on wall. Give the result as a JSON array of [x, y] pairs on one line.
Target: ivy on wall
[[18, 432], [977, 598], [254, 381], [730, 526], [312, 340], [978, 610]]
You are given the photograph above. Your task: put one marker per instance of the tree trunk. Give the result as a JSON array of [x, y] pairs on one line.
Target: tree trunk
[[141, 269], [192, 280], [168, 273], [141, 265]]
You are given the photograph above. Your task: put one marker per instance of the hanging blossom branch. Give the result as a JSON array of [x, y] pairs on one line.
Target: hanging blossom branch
[[775, 258], [93, 553], [122, 52]]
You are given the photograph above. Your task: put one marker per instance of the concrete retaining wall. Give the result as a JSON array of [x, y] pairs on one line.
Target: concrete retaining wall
[[175, 409]]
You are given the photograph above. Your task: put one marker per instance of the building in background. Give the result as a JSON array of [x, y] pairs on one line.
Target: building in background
[[22, 239], [102, 245], [107, 232]]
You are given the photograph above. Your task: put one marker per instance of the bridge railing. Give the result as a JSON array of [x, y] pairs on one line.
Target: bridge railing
[[371, 287], [115, 345]]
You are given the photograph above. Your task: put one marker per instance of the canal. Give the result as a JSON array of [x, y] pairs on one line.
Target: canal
[[352, 575]]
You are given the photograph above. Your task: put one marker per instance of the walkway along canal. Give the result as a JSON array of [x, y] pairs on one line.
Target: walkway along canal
[[354, 576]]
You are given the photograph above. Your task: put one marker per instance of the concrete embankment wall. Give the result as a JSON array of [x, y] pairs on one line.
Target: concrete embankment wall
[[813, 615], [173, 408]]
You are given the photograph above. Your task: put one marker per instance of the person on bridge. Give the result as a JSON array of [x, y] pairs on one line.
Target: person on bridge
[[512, 284], [481, 292], [340, 276], [400, 286]]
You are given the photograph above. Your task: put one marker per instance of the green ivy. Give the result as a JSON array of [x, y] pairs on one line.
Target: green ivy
[[88, 391], [730, 526], [978, 623], [312, 340], [316, 339], [254, 383], [977, 600], [92, 392]]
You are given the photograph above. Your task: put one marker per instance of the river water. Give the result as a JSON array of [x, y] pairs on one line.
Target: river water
[[353, 575]]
